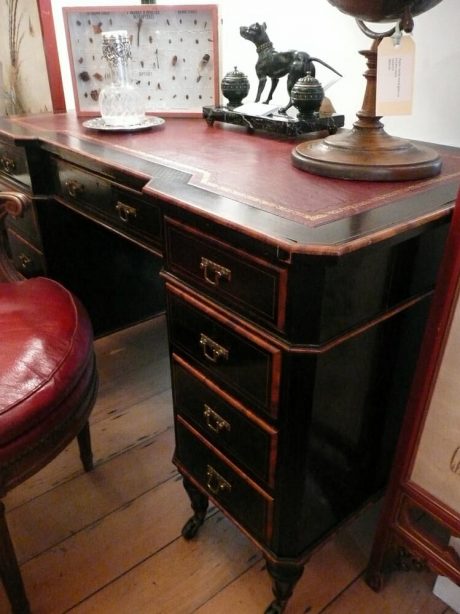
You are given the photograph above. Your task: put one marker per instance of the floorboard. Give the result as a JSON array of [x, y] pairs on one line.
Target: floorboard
[[109, 542]]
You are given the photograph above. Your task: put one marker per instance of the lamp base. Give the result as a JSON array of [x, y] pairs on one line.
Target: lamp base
[[367, 155]]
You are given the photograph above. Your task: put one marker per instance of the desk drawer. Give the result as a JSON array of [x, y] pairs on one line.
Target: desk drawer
[[117, 207], [224, 422], [231, 276], [13, 163], [80, 187], [243, 364], [26, 258], [231, 489]]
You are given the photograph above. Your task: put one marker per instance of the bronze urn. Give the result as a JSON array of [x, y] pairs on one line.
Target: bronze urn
[[235, 87], [307, 95]]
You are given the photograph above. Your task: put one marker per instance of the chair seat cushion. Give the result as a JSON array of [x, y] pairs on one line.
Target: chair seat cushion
[[46, 360]]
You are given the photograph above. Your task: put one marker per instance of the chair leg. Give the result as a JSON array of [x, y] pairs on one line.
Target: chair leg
[[9, 569], [84, 443]]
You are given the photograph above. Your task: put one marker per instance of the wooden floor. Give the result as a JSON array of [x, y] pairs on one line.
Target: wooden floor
[[109, 541]]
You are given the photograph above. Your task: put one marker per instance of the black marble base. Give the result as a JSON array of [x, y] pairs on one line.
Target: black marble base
[[276, 123]]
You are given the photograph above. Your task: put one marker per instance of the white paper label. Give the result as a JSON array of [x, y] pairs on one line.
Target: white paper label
[[395, 76]]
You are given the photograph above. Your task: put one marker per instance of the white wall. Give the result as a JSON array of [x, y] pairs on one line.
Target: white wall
[[318, 28]]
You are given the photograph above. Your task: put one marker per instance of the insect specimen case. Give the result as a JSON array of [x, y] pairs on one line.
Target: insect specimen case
[[174, 55]]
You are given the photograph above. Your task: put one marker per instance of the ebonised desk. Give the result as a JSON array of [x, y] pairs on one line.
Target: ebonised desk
[[295, 304]]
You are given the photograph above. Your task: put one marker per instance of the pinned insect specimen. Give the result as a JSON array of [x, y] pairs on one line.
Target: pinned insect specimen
[[202, 64], [139, 26], [84, 76], [95, 95], [150, 39], [97, 28], [157, 59], [204, 60], [158, 86], [78, 22], [91, 40], [80, 60], [98, 76], [31, 28], [174, 60]]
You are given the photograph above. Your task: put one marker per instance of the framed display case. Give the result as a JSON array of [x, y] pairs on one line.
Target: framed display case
[[174, 55], [421, 514]]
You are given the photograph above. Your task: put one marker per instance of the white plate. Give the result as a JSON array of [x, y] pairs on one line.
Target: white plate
[[99, 124]]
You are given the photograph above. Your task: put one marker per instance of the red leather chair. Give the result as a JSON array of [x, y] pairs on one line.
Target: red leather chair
[[48, 383]]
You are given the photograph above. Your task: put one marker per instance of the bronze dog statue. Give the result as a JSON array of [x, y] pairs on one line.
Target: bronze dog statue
[[275, 64]]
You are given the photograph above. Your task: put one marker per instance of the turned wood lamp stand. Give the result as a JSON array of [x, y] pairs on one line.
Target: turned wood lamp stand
[[367, 152]]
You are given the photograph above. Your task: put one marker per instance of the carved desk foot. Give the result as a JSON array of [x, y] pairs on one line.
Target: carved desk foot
[[200, 504], [284, 577]]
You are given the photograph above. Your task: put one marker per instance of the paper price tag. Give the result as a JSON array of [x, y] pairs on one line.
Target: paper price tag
[[395, 76]]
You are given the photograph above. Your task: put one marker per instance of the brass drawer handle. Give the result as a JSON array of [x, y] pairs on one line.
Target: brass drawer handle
[[214, 272], [213, 421], [74, 188], [24, 260], [212, 350], [125, 211], [7, 164], [215, 482]]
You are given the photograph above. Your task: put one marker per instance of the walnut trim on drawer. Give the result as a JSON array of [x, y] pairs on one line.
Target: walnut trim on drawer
[[230, 275], [230, 488], [243, 363], [228, 424]]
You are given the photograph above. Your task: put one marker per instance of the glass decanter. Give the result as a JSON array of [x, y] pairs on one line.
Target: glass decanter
[[120, 102]]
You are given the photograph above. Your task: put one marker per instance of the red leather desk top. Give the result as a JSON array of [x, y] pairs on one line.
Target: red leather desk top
[[254, 169]]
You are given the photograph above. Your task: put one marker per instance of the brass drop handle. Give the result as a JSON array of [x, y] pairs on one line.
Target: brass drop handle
[[24, 260], [213, 421], [125, 212], [214, 272], [7, 164], [212, 350], [215, 483], [74, 188]]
